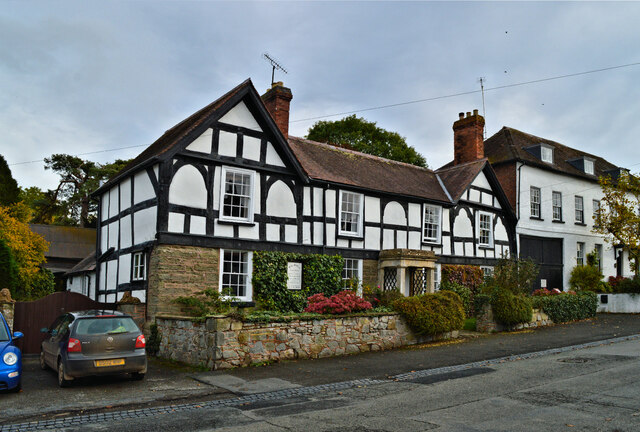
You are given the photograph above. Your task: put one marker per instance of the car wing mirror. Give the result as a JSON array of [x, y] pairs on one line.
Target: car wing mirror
[[18, 335], [44, 330]]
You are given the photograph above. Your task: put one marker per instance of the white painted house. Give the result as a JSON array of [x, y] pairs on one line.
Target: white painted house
[[191, 209], [555, 193]]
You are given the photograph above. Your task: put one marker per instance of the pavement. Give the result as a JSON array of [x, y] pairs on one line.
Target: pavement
[[167, 384]]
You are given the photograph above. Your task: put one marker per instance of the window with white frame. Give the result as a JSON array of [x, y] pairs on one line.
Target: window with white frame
[[579, 209], [139, 266], [432, 224], [237, 195], [535, 202], [596, 212], [351, 272], [485, 229], [588, 166], [351, 213], [546, 154], [580, 253], [235, 274], [557, 206], [487, 271]]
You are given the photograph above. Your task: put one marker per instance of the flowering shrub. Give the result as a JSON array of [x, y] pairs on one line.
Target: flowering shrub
[[465, 275], [543, 292], [343, 302]]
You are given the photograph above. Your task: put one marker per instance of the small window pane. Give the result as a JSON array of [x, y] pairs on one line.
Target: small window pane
[[236, 201], [351, 272], [580, 253], [431, 223], [350, 213], [579, 210], [557, 206], [485, 228], [547, 154], [588, 166], [235, 265], [535, 202]]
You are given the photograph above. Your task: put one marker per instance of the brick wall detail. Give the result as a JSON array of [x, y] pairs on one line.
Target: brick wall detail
[[222, 342]]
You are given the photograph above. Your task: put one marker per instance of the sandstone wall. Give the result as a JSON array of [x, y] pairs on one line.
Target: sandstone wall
[[486, 323]]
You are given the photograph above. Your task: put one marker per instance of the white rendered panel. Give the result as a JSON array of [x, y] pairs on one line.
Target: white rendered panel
[[468, 248], [249, 232], [216, 188], [272, 157], [112, 271], [317, 202], [104, 206], [227, 144], [140, 294], [124, 272], [462, 225], [306, 233], [446, 226], [331, 235], [291, 233], [202, 144], [257, 209], [318, 233], [114, 207], [387, 239], [144, 225], [330, 203], [142, 187], [103, 275], [113, 235], [188, 189], [402, 240], [125, 194], [414, 240], [372, 238], [273, 232], [474, 195], [223, 230], [125, 232], [198, 225], [357, 244], [481, 181], [487, 199], [251, 148], [446, 245], [104, 238], [240, 115], [343, 243], [500, 232], [306, 198], [176, 222], [371, 209], [394, 214], [156, 170], [280, 201], [415, 213]]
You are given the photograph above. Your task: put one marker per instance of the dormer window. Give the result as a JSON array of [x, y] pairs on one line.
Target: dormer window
[[588, 166], [546, 153]]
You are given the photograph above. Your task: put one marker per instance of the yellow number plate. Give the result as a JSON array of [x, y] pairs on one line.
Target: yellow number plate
[[114, 362]]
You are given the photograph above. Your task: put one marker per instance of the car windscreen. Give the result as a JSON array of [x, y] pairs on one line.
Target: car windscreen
[[4, 336], [105, 325]]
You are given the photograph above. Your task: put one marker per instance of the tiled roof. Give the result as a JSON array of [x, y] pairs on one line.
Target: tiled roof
[[325, 162], [509, 145], [67, 242], [457, 178], [88, 264]]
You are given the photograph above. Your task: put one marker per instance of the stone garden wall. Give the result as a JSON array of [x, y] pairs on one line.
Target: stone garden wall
[[7, 311], [222, 342], [485, 322], [618, 303]]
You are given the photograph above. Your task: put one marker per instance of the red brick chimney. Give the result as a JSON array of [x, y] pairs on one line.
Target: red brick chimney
[[277, 100], [468, 138]]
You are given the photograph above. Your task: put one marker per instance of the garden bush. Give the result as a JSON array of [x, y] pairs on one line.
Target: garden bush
[[569, 306], [343, 302], [203, 303], [585, 278], [510, 309], [628, 286], [381, 298], [464, 293], [469, 276], [431, 314], [320, 274], [515, 275]]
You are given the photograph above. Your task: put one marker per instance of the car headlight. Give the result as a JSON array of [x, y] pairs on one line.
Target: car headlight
[[10, 358]]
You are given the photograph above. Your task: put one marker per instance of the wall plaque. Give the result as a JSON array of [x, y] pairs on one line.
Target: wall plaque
[[294, 275]]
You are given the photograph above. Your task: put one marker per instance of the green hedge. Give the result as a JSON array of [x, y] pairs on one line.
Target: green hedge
[[568, 307], [465, 295], [510, 309], [320, 274], [431, 314]]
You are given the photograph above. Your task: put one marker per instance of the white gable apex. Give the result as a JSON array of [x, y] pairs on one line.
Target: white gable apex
[[481, 181], [240, 115]]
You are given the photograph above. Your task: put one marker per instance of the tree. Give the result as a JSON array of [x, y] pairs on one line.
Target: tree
[[78, 178], [9, 190], [618, 218], [27, 250], [361, 135], [45, 208]]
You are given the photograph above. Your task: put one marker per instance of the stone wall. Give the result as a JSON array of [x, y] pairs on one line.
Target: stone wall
[[370, 273], [485, 322], [176, 271], [221, 342], [7, 311]]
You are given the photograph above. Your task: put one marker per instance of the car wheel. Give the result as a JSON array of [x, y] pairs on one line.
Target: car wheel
[[137, 376], [43, 363], [62, 381]]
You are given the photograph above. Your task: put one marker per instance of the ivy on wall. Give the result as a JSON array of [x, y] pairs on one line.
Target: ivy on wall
[[320, 274]]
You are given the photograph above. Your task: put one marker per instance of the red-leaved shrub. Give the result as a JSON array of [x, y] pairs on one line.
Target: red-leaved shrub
[[343, 302]]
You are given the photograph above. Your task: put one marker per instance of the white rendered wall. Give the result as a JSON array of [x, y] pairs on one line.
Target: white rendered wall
[[188, 188], [240, 115], [280, 201], [143, 188]]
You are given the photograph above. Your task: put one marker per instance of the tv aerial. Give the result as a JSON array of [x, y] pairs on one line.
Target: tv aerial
[[274, 65]]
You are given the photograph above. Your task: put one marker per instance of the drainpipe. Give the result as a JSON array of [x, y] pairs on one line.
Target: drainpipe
[[517, 243]]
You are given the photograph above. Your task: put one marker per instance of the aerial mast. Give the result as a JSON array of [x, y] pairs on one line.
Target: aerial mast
[[274, 65]]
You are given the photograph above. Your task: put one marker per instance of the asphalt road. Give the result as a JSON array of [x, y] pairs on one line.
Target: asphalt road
[[164, 387]]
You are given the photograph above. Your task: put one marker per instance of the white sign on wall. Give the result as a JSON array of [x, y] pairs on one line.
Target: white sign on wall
[[294, 275]]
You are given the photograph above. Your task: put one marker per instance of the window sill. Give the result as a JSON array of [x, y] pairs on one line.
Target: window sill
[[350, 236], [581, 224], [484, 246], [432, 243], [234, 222], [558, 221], [536, 218]]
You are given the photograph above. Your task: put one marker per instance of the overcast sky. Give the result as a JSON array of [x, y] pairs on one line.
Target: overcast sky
[[82, 76]]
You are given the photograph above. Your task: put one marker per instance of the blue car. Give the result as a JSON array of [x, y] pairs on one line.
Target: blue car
[[10, 358]]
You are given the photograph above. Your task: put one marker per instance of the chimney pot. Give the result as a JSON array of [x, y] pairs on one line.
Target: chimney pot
[[461, 115], [468, 114], [475, 112]]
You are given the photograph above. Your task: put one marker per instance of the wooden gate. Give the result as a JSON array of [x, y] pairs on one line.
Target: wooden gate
[[30, 317]]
